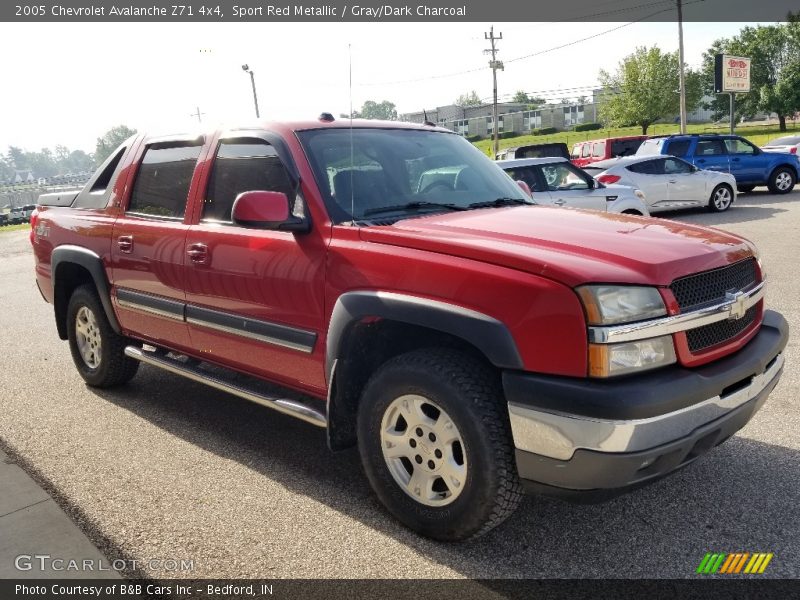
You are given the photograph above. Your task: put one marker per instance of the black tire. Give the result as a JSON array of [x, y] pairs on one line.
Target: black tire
[[469, 394], [782, 180], [745, 188], [108, 366], [721, 198]]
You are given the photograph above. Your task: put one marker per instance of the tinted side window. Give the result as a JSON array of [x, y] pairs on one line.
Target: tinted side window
[[678, 147], [625, 147], [648, 167], [710, 148], [162, 183], [243, 166]]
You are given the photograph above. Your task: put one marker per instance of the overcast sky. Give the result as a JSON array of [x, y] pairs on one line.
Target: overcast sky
[[69, 83]]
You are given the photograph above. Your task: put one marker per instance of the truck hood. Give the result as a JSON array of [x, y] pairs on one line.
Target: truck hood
[[570, 246]]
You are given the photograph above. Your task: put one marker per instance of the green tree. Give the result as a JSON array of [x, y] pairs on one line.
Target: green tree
[[785, 96], [110, 140], [470, 99], [522, 97], [384, 111], [773, 49], [644, 89]]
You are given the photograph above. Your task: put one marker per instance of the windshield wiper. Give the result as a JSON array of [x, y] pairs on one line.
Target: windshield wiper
[[500, 202], [413, 205]]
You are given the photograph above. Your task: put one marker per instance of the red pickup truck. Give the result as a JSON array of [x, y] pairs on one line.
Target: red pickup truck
[[407, 296]]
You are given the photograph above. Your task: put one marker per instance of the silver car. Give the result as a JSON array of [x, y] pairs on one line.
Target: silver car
[[668, 182], [558, 182]]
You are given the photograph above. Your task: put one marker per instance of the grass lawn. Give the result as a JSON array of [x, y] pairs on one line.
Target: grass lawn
[[758, 134], [16, 227]]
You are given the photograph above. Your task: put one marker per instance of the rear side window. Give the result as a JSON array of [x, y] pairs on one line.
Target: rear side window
[[599, 150], [162, 183], [586, 150], [648, 167], [710, 148], [243, 166], [625, 147], [678, 147]]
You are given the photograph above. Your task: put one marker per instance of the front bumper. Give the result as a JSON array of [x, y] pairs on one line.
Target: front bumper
[[574, 437]]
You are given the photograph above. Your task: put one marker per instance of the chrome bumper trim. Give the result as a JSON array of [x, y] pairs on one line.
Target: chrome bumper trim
[[730, 309], [559, 435]]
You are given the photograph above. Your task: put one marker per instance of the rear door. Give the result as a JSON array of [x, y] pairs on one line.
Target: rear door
[[147, 251], [255, 296], [649, 177], [711, 154]]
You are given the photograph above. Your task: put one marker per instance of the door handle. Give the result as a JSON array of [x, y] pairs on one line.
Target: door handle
[[673, 180], [125, 243], [198, 253], [560, 202]]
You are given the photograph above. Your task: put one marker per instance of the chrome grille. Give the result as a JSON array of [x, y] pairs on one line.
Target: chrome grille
[[719, 332], [710, 287]]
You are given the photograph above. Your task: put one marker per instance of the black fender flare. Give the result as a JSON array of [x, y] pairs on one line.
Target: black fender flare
[[83, 257], [486, 333]]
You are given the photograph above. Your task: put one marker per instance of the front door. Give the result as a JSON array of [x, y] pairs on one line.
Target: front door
[[254, 296], [569, 186]]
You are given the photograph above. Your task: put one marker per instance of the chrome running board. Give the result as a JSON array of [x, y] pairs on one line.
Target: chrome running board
[[293, 408]]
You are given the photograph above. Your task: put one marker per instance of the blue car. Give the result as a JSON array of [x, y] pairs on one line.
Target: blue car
[[732, 154]]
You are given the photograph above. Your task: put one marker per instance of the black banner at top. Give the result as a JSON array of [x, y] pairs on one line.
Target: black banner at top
[[368, 11]]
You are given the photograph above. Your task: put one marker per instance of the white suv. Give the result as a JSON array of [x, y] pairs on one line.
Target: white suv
[[558, 182]]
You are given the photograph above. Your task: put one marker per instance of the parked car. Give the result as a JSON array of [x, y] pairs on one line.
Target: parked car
[[27, 211], [16, 215], [467, 342], [733, 154], [788, 143], [585, 153], [534, 151], [3, 219], [558, 182], [668, 182]]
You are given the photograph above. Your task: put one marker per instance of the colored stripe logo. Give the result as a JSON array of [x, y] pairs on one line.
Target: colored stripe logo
[[734, 563]]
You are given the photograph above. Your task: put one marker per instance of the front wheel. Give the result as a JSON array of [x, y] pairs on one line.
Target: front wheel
[[721, 199], [436, 445], [782, 181], [97, 350]]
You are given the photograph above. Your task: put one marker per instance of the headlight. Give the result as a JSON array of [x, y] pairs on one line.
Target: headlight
[[606, 360], [639, 194], [612, 304]]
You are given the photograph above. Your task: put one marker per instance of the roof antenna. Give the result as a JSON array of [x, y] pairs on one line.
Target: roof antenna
[[352, 159]]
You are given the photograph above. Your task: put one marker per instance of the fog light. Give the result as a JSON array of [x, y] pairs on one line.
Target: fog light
[[606, 360]]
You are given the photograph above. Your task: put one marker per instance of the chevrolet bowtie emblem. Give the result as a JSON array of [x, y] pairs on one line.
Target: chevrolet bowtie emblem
[[737, 305]]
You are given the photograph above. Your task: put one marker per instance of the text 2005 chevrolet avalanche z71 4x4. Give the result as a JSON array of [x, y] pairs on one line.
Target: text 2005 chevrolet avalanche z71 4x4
[[411, 300]]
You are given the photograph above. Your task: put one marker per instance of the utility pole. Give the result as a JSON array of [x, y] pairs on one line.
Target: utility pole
[[197, 114], [495, 65], [681, 76]]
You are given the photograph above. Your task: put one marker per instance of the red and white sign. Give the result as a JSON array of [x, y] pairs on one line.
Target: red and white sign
[[735, 74]]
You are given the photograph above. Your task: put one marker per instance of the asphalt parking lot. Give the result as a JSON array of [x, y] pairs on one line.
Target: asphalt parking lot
[[165, 468]]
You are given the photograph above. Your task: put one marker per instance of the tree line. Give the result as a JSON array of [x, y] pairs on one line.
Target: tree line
[[61, 160]]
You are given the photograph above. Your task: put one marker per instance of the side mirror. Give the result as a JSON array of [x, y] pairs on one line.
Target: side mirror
[[524, 187], [265, 210]]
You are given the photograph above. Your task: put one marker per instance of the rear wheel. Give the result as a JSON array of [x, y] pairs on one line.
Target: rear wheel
[[782, 181], [721, 198], [435, 441], [97, 350]]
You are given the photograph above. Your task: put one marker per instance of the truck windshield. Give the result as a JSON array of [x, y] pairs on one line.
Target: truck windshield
[[388, 174]]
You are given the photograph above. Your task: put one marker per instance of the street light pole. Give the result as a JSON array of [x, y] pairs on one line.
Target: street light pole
[[246, 69]]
